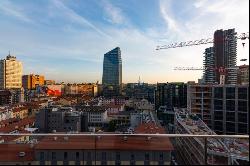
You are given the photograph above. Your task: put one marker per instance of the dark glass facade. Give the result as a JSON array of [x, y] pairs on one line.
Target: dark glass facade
[[112, 73], [112, 68], [171, 95]]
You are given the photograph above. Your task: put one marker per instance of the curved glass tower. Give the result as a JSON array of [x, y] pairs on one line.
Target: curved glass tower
[[112, 72], [112, 68]]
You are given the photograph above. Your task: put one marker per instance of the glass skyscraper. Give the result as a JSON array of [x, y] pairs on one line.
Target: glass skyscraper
[[112, 68], [112, 72]]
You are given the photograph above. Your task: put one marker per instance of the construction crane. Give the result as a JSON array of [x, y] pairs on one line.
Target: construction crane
[[220, 69], [242, 36]]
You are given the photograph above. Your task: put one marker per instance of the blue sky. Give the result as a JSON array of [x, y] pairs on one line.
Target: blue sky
[[65, 40]]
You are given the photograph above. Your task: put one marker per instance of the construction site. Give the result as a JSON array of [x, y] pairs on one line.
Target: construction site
[[219, 151]]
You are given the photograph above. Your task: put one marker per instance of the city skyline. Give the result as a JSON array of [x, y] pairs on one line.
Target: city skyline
[[66, 41]]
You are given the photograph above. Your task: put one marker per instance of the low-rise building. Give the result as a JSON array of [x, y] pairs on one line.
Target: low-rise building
[[84, 150], [97, 115], [19, 112], [60, 120]]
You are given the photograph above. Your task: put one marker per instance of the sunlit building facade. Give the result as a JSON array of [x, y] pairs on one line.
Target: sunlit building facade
[[10, 73]]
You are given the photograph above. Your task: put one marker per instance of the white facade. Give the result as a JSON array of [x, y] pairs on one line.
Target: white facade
[[4, 115], [11, 72], [98, 116]]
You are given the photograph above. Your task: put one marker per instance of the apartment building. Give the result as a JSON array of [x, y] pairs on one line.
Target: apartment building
[[32, 81], [10, 73], [97, 115]]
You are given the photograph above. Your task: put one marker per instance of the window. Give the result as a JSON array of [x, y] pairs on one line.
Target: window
[[161, 156], [242, 128], [230, 116], [42, 156], [118, 158], [218, 115], [242, 106], [104, 160], [53, 155], [77, 155], [230, 127], [230, 105], [242, 93], [89, 155], [242, 117], [146, 162], [218, 104], [218, 126], [230, 93], [103, 155], [132, 159], [218, 92], [65, 155]]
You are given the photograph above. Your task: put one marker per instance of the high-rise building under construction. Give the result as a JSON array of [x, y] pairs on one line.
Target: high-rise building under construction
[[220, 60], [225, 50]]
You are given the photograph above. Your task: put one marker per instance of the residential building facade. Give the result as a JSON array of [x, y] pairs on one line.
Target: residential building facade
[[10, 73], [225, 50], [32, 81], [209, 66]]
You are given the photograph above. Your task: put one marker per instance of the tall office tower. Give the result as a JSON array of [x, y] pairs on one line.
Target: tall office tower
[[10, 73], [112, 73], [225, 49], [209, 65], [32, 81]]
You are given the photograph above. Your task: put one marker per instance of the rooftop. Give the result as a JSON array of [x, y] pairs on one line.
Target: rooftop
[[106, 142]]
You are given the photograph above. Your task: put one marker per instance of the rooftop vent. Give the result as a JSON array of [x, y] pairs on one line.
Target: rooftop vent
[[21, 154], [149, 138], [66, 138], [55, 138]]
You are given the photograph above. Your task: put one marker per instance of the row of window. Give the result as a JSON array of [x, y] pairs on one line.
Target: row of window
[[230, 93], [103, 156]]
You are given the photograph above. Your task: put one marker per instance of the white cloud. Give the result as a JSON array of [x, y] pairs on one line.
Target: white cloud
[[114, 14], [73, 16], [165, 11], [11, 10]]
